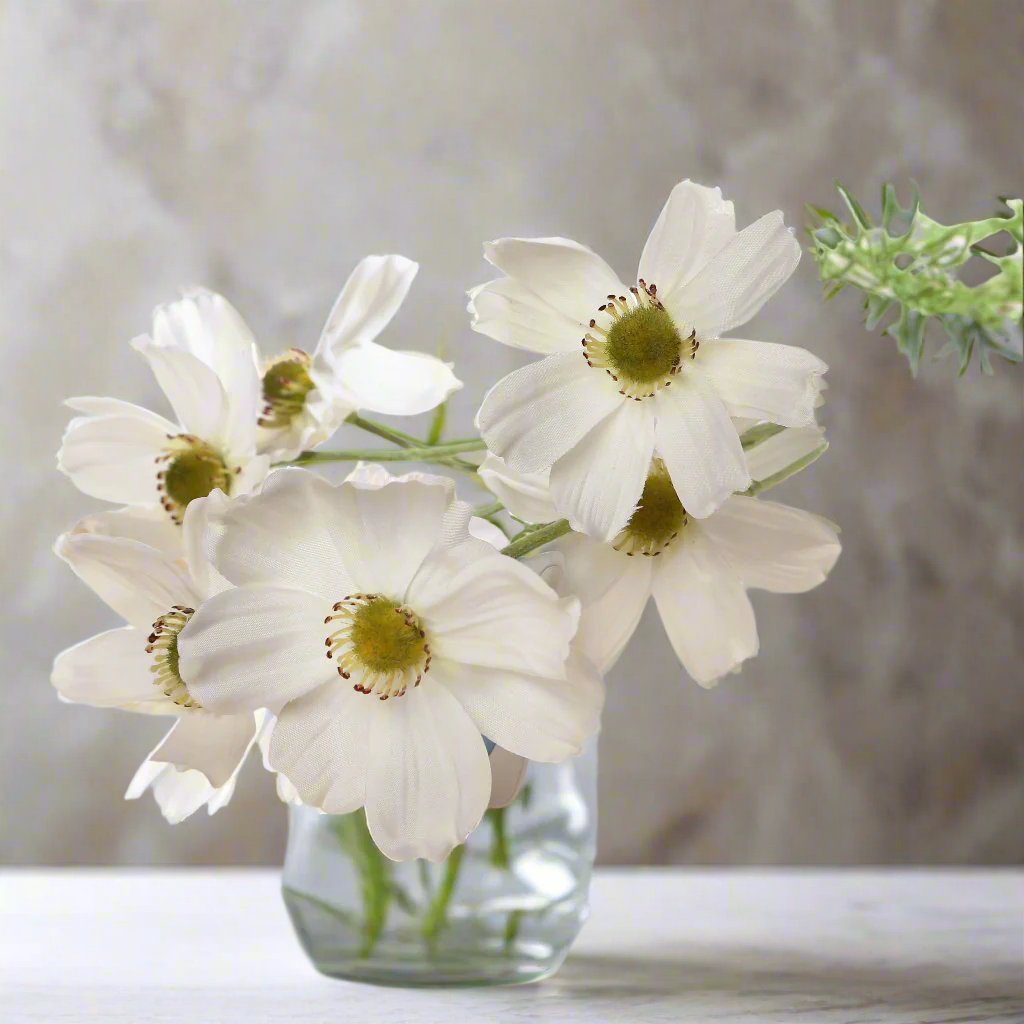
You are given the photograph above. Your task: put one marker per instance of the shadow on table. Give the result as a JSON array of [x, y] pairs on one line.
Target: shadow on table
[[770, 978]]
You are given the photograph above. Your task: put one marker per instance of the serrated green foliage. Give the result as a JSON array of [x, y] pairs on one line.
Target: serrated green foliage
[[907, 268]]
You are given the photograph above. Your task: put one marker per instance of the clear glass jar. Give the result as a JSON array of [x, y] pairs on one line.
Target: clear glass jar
[[504, 908]]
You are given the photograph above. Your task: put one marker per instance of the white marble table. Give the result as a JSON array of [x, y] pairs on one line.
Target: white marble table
[[208, 947]]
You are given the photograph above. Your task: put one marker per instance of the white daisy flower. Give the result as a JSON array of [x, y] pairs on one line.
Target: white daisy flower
[[633, 371], [145, 573], [391, 640], [306, 397]]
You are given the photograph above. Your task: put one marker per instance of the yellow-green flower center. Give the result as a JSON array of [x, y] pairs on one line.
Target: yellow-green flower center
[[286, 383], [658, 519], [191, 469], [379, 642], [162, 643], [637, 343]]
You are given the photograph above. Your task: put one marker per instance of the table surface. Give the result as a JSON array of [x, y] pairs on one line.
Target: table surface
[[211, 946]]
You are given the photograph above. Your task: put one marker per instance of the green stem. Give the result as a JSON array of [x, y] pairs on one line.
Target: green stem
[[512, 929], [529, 540], [435, 453], [404, 440], [499, 842], [374, 876], [755, 435], [784, 474], [436, 916], [486, 511]]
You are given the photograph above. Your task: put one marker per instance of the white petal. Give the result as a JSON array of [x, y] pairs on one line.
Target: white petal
[[114, 457], [482, 608], [255, 647], [527, 496], [215, 745], [320, 744], [509, 312], [429, 779], [735, 283], [782, 450], [564, 274], [486, 531], [508, 771], [534, 415], [540, 719], [137, 581], [699, 444], [370, 298], [196, 395], [380, 380], [597, 484], [198, 516], [773, 546], [92, 406], [693, 226], [178, 794], [292, 533], [149, 525], [704, 608], [763, 381], [110, 670], [251, 473]]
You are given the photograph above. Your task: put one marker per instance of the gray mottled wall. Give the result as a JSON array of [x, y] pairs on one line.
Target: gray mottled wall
[[263, 147]]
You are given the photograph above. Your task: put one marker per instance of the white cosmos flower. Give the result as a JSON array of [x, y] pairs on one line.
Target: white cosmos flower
[[306, 397], [642, 369], [141, 569], [391, 640]]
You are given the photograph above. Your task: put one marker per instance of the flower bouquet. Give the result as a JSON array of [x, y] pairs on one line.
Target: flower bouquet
[[422, 673]]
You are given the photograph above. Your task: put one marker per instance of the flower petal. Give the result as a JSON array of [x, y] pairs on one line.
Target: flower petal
[[534, 415], [508, 772], [527, 496], [255, 647], [370, 298], [380, 380], [763, 381], [215, 745], [429, 779], [693, 226], [735, 283], [772, 546], [110, 670], [597, 484], [482, 608], [149, 525], [699, 444], [321, 743], [540, 719], [179, 794], [782, 450], [509, 312], [705, 609], [198, 516]]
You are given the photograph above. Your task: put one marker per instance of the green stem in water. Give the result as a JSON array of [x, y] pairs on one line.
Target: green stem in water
[[374, 872], [436, 916], [530, 539], [499, 841]]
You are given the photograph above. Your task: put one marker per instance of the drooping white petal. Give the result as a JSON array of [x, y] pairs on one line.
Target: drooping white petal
[[148, 525], [508, 771], [509, 312], [527, 496], [320, 744], [597, 484], [540, 719], [179, 794], [139, 582], [292, 533], [381, 380], [428, 779], [485, 609], [370, 298], [738, 280], [215, 745], [699, 445], [566, 275], [764, 381], [196, 395], [111, 670], [772, 546], [114, 457], [255, 647], [782, 450], [693, 226], [534, 415], [704, 607]]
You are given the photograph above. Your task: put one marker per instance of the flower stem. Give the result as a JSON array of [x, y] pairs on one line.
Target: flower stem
[[404, 440], [499, 841], [435, 453], [436, 916], [530, 539], [784, 474], [374, 876], [486, 511]]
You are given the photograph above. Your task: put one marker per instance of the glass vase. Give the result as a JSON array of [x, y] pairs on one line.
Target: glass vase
[[503, 909]]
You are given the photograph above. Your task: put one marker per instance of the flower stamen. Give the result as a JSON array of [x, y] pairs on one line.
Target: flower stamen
[[659, 517], [380, 642], [192, 468], [162, 643], [286, 383]]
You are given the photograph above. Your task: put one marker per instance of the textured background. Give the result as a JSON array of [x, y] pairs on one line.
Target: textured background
[[262, 148]]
